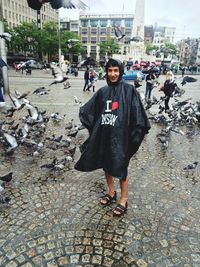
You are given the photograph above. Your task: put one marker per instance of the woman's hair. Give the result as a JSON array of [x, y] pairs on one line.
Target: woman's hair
[[169, 75]]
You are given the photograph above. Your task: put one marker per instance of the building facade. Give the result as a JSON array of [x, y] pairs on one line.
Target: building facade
[[163, 35], [66, 24], [189, 51], [15, 12], [98, 28]]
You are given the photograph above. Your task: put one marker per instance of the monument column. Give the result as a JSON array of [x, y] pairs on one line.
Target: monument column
[[137, 49]]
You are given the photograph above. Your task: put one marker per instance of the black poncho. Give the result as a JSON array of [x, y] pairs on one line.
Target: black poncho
[[117, 123]]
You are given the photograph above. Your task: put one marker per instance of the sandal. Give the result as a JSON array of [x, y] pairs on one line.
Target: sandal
[[108, 199], [119, 210]]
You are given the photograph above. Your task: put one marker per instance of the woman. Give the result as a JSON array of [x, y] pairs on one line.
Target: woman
[[168, 88]]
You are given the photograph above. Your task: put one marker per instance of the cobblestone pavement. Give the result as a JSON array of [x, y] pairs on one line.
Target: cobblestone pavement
[[54, 218]]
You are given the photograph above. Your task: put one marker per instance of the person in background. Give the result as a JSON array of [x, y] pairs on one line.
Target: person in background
[[93, 77], [149, 86], [2, 100], [168, 88], [86, 78], [117, 123], [183, 71]]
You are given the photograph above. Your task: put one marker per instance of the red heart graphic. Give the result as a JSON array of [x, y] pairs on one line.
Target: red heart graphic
[[115, 105]]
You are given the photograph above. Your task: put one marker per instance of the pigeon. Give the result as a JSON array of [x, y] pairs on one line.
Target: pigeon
[[33, 111], [1, 189], [5, 200], [51, 165], [6, 36], [69, 125], [71, 42], [56, 4], [57, 117], [40, 91], [58, 75], [136, 39], [77, 101], [7, 177], [118, 33], [188, 79], [72, 133], [11, 142], [87, 61], [191, 166], [17, 103], [19, 95]]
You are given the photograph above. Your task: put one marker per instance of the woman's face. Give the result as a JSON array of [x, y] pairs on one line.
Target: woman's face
[[113, 74]]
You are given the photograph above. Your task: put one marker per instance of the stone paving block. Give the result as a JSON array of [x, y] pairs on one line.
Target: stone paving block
[[11, 264], [62, 261], [97, 259], [86, 258], [74, 258]]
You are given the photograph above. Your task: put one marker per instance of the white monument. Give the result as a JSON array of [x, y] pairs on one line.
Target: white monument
[[137, 49]]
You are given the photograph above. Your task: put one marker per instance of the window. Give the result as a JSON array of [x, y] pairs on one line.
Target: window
[[103, 22], [84, 23], [93, 40], [93, 22], [74, 26], [116, 22], [102, 39], [103, 32], [129, 23], [127, 32], [93, 48], [84, 31], [93, 31], [84, 40]]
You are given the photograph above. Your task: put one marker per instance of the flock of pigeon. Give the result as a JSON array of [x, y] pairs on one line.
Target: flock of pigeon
[[183, 114], [27, 129]]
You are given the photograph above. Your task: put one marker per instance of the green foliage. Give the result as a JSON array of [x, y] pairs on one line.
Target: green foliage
[[31, 41], [150, 48], [23, 38], [76, 49], [109, 47], [172, 49]]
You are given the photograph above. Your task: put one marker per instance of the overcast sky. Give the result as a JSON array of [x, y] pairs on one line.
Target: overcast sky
[[182, 14]]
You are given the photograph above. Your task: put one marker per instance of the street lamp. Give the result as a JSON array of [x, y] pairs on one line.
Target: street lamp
[[59, 42], [3, 52]]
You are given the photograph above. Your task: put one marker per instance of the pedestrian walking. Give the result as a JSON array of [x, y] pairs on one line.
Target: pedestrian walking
[[93, 77], [183, 71], [117, 123], [2, 100], [149, 86], [86, 78], [168, 88]]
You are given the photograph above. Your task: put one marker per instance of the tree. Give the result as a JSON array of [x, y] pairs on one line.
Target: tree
[[150, 48], [76, 48], [49, 39], [31, 41], [109, 47], [23, 38], [167, 49]]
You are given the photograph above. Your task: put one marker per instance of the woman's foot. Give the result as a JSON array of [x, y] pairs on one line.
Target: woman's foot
[[108, 199]]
